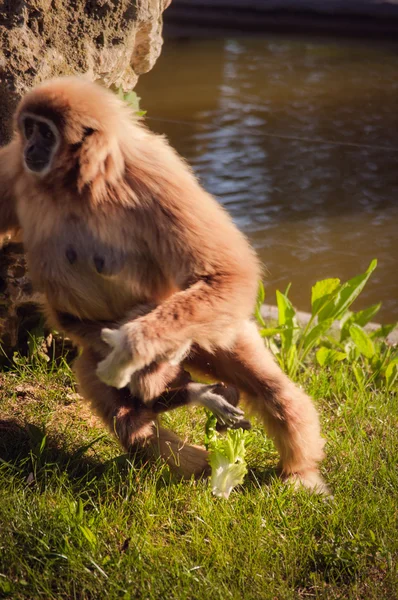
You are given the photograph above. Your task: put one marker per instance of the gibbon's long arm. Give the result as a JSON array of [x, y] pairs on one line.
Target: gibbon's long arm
[[197, 315], [8, 171], [219, 294], [207, 260]]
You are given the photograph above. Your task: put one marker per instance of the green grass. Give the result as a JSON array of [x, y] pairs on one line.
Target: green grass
[[78, 519]]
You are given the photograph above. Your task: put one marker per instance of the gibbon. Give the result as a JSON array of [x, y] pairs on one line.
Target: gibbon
[[146, 272]]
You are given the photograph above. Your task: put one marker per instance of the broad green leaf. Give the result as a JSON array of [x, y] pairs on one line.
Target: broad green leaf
[[391, 373], [271, 331], [361, 318], [210, 429], [42, 444], [259, 303], [383, 331], [286, 311], [333, 342], [315, 334], [287, 317], [5, 586], [348, 292], [79, 511], [322, 292], [362, 340], [292, 360], [131, 99], [351, 350], [359, 375], [89, 535], [260, 294], [328, 356]]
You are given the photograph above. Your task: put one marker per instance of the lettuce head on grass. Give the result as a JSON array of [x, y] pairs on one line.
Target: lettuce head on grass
[[227, 458]]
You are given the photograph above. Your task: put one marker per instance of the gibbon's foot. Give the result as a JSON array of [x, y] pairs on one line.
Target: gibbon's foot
[[241, 424], [231, 393], [226, 413], [185, 460], [310, 479]]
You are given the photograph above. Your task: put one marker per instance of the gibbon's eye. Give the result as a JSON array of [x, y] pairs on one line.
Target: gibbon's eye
[[87, 131], [28, 127], [71, 254], [99, 263], [46, 132]]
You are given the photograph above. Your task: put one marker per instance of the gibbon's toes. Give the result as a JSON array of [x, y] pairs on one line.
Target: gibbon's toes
[[229, 392], [226, 413], [184, 460], [240, 424], [192, 461], [311, 480]]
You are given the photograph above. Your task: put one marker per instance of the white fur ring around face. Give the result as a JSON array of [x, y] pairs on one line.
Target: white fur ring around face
[[117, 368]]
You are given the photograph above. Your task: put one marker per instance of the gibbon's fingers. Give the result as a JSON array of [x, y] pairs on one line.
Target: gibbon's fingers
[[117, 369], [112, 337]]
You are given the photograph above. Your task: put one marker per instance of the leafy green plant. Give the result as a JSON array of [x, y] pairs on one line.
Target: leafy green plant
[[132, 100], [227, 458], [331, 301]]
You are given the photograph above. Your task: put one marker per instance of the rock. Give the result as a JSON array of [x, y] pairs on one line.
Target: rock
[[110, 40], [18, 302]]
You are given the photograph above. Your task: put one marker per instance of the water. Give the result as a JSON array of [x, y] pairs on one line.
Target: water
[[234, 108]]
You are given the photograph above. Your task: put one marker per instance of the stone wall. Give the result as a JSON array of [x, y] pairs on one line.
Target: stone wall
[[110, 40]]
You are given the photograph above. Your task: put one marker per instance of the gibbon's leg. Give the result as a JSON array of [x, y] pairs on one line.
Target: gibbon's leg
[[161, 384], [288, 414], [136, 424], [164, 387]]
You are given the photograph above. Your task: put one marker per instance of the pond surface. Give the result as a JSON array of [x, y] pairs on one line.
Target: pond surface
[[298, 140]]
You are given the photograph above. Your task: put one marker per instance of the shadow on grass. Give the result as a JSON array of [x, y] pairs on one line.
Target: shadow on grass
[[35, 457], [259, 477]]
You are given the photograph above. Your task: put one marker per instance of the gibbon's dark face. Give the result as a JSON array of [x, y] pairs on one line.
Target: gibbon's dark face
[[41, 142]]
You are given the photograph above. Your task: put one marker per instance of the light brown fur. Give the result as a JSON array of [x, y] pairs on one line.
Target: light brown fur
[[118, 192]]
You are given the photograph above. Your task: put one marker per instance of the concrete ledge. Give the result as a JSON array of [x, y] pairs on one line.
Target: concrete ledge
[[334, 17], [374, 8]]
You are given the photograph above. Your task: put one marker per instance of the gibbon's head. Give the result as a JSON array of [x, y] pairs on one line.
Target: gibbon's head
[[70, 125]]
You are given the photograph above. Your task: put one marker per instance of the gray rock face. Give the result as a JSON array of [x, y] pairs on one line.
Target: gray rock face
[[110, 40]]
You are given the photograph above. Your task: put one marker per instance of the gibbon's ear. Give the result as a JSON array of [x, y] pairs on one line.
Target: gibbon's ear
[[100, 160]]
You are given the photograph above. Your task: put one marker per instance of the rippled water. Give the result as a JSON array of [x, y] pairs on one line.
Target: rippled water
[[234, 108]]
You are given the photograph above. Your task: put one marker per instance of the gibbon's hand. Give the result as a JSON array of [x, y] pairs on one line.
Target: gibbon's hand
[[122, 362], [132, 351]]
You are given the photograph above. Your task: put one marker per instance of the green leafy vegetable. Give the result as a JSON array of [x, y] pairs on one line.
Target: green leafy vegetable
[[331, 301], [227, 458], [132, 100]]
